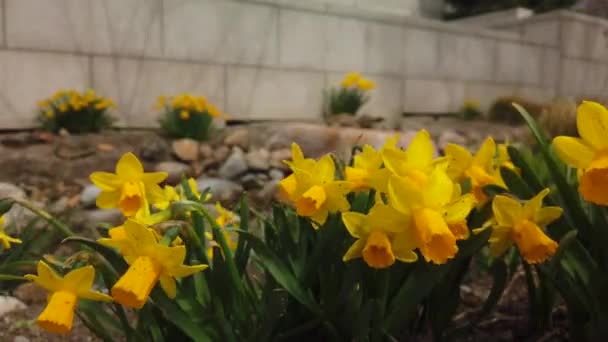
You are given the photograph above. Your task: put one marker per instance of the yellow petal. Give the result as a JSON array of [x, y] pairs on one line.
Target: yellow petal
[[459, 159], [151, 178], [139, 235], [433, 237], [439, 190], [546, 215], [500, 241], [324, 169], [592, 124], [336, 192], [108, 200], [403, 246], [46, 278], [80, 280], [404, 194], [169, 286], [378, 251], [184, 271], [134, 287], [459, 209], [573, 151], [506, 210], [387, 218], [311, 201], [296, 152], [534, 204], [396, 161], [106, 181], [319, 217], [94, 295], [355, 250], [420, 152], [593, 185], [356, 224], [485, 154], [129, 167]]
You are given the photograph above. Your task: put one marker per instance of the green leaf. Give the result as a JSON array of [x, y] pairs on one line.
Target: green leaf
[[499, 276], [516, 184], [5, 205], [492, 190], [178, 317], [526, 171], [279, 271]]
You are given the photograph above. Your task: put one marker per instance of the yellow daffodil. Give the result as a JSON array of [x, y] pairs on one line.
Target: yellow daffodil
[[184, 115], [434, 210], [287, 186], [170, 195], [225, 217], [414, 163], [63, 107], [130, 189], [350, 79], [150, 262], [383, 236], [4, 237], [365, 84], [480, 169], [522, 224], [49, 113], [313, 190], [367, 172], [160, 102], [64, 293], [589, 153]]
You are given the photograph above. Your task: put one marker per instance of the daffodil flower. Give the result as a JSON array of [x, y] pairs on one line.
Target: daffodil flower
[[367, 171], [4, 237], [480, 169], [365, 84], [312, 187], [522, 224], [130, 189], [150, 262], [64, 293], [433, 209], [350, 79], [383, 236], [170, 195], [414, 163], [589, 153]]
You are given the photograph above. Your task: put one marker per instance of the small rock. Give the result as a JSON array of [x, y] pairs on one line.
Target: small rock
[[63, 132], [88, 196], [220, 189], [60, 206], [105, 147], [234, 165], [278, 156], [239, 137], [11, 190], [185, 149], [154, 150], [450, 136], [251, 181], [9, 304], [276, 174], [342, 120], [30, 293], [206, 151], [221, 153], [268, 192], [21, 339], [175, 171], [258, 159]]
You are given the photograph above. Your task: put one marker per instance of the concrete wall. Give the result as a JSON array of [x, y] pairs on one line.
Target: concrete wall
[[271, 59]]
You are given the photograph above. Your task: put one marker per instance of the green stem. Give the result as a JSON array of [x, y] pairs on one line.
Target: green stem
[[62, 228]]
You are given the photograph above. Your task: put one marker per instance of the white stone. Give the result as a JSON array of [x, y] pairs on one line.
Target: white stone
[[432, 96], [220, 189], [27, 77], [421, 52], [573, 38], [385, 49], [125, 27], [345, 39], [88, 195], [135, 85], [255, 93], [221, 31], [235, 165], [542, 32], [302, 39], [9, 304]]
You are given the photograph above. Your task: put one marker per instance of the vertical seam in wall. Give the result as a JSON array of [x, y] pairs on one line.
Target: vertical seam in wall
[[91, 73], [278, 36], [560, 46], [161, 21], [3, 28], [225, 102]]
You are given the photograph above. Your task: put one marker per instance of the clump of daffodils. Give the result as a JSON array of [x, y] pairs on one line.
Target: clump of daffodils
[[420, 208], [187, 116], [351, 95], [470, 109], [75, 112]]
